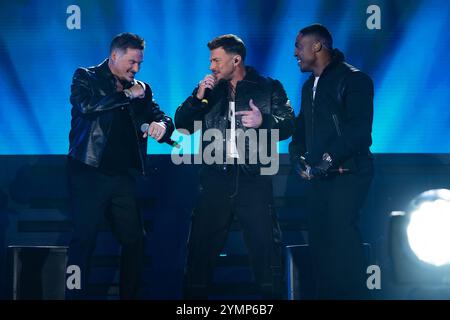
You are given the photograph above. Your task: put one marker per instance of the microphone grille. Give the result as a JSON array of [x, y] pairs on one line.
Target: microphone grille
[[144, 127]]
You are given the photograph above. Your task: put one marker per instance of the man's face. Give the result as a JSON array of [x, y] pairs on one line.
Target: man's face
[[222, 64], [125, 64], [304, 52]]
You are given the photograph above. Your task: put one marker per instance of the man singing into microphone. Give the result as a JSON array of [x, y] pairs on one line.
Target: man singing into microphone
[[109, 106], [233, 98]]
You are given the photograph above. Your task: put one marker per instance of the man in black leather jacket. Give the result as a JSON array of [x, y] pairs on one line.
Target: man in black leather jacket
[[234, 98], [109, 106], [330, 149]]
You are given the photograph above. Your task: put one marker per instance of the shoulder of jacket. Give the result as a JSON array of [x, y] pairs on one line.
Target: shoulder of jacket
[[353, 74], [274, 82], [348, 67], [349, 73], [85, 72]]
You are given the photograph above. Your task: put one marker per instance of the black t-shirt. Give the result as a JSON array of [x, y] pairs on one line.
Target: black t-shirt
[[121, 150]]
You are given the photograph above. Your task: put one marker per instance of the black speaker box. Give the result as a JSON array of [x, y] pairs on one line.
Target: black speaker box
[[37, 272], [300, 275]]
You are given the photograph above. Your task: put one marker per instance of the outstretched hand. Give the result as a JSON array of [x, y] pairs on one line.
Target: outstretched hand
[[252, 118]]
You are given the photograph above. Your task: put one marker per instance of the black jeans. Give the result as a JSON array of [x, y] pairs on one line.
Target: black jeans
[[223, 195], [95, 195], [338, 260]]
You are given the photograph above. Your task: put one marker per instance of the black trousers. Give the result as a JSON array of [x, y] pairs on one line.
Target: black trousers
[[334, 236], [223, 195], [95, 195]]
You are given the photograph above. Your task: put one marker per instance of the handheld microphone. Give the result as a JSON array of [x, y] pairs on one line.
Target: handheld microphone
[[144, 128], [206, 95], [208, 91]]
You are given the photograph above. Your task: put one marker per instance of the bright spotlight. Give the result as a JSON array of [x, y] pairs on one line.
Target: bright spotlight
[[420, 239], [429, 230]]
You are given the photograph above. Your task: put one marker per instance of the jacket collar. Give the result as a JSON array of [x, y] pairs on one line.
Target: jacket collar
[[336, 57], [251, 75], [105, 70]]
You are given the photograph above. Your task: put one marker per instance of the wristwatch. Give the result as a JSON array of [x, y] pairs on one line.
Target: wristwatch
[[128, 93], [326, 157]]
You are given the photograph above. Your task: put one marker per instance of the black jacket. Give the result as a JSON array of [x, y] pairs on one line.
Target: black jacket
[[267, 94], [93, 98], [339, 120]]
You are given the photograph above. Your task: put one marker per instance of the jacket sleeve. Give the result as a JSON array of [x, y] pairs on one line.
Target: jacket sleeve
[[282, 115], [356, 124], [86, 100], [297, 147], [191, 110], [157, 115]]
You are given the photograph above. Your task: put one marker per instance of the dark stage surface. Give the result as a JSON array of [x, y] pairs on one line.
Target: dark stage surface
[[34, 212]]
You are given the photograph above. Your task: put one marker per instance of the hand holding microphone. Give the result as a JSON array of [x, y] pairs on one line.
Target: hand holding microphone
[[205, 86], [156, 130]]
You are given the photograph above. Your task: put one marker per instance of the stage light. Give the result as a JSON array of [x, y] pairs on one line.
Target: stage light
[[420, 239], [428, 228]]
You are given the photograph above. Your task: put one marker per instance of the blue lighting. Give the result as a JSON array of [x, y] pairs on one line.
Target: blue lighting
[[407, 59]]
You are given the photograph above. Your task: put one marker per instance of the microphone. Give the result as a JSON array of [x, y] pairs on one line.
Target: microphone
[[144, 128], [206, 95], [208, 91]]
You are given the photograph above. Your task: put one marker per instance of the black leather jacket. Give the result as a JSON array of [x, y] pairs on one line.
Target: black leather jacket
[[93, 97], [339, 120], [267, 94]]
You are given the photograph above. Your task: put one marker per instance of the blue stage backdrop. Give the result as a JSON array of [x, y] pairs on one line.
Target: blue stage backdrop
[[403, 44]]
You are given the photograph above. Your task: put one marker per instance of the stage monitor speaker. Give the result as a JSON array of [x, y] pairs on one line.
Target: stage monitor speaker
[[300, 274], [37, 272]]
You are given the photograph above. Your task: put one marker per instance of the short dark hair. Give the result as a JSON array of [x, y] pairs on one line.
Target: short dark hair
[[230, 43], [127, 40], [321, 33]]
